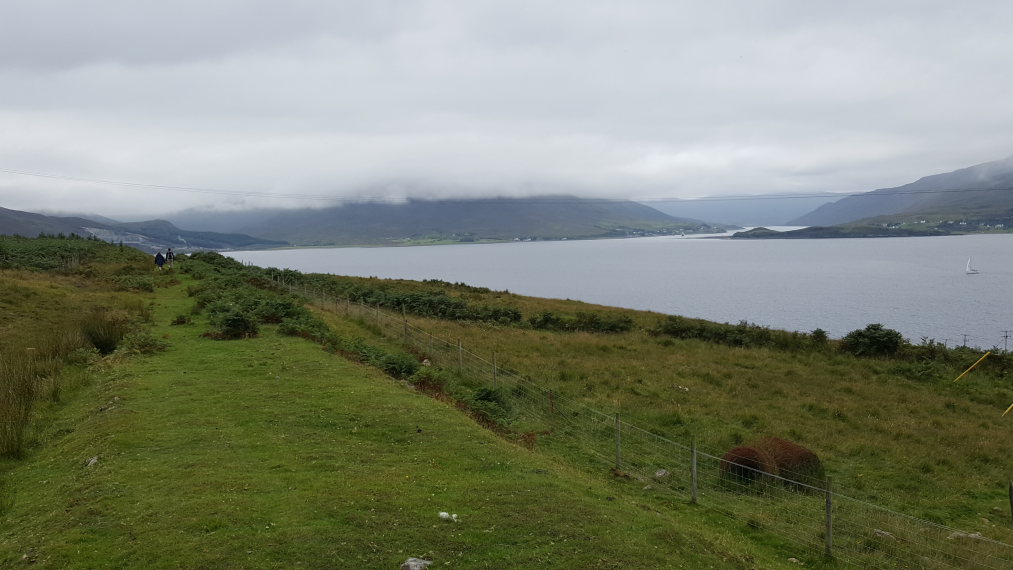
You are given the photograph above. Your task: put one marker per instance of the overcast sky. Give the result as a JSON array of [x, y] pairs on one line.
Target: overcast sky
[[265, 103]]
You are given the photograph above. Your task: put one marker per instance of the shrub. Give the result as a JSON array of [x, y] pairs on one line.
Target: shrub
[[229, 323], [582, 322], [429, 380], [275, 310], [546, 320], [398, 365], [873, 340], [819, 338], [309, 327], [141, 341], [490, 404]]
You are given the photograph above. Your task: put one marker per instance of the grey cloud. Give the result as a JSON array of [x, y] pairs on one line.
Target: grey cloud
[[632, 99]]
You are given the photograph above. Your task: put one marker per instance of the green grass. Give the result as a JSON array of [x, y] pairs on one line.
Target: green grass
[[894, 432], [269, 452]]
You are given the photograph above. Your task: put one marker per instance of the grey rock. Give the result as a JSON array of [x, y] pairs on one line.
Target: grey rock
[[415, 564]]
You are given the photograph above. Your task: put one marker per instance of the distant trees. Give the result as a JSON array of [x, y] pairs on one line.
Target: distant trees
[[581, 322]]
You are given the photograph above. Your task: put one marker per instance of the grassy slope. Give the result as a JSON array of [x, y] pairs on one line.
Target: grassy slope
[[901, 435], [271, 453]]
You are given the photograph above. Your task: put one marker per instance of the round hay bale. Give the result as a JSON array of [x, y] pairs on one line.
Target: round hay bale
[[795, 463], [746, 465]]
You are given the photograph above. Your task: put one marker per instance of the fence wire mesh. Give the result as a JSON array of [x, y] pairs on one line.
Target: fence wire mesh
[[809, 519]]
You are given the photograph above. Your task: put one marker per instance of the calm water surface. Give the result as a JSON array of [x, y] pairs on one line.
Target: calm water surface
[[914, 285]]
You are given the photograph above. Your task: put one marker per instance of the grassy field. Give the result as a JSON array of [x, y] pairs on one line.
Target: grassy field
[[898, 432], [270, 451]]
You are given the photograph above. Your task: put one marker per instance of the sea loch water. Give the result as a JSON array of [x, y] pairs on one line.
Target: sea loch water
[[917, 286]]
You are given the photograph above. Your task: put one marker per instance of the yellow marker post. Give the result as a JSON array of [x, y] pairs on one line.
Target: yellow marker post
[[972, 366], [1008, 409]]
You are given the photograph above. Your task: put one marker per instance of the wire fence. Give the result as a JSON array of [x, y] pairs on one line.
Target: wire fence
[[811, 521]]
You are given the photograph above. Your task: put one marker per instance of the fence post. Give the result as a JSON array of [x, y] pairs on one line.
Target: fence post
[[404, 315], [1011, 500], [378, 318], [460, 357], [828, 550], [495, 381], [693, 479], [619, 442]]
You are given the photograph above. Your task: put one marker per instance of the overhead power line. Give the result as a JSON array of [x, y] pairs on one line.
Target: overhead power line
[[301, 196]]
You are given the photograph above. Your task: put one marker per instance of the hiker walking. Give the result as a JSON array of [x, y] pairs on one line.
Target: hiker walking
[[169, 258], [159, 260]]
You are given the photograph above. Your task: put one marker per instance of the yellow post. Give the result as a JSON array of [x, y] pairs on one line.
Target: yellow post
[[1008, 409], [972, 366]]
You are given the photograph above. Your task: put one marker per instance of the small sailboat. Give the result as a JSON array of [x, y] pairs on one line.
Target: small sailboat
[[970, 270]]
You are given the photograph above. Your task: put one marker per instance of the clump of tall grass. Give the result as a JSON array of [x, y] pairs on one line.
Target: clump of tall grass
[[140, 283], [104, 329], [18, 385]]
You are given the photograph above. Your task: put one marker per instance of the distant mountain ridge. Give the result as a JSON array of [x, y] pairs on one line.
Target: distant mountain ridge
[[980, 192], [756, 210], [151, 235], [462, 220], [372, 223]]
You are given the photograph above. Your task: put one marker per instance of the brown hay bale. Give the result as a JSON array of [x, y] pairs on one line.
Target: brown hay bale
[[746, 465], [795, 463]]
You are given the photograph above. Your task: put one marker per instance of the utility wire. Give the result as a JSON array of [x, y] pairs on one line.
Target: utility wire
[[729, 198]]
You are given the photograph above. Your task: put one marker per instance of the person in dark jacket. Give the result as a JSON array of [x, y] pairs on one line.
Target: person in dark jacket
[[159, 260]]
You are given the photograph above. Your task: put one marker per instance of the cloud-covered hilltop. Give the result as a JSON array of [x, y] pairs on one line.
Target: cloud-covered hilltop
[[982, 192], [310, 103]]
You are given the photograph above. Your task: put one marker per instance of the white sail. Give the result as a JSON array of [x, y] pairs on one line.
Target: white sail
[[970, 270]]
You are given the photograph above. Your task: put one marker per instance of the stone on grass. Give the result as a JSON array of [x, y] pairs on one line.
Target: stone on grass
[[415, 564]]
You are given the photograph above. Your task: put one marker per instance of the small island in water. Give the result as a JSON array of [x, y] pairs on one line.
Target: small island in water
[[827, 232]]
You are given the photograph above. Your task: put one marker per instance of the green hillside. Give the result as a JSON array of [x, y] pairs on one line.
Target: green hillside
[[499, 219], [151, 235], [346, 413], [977, 198]]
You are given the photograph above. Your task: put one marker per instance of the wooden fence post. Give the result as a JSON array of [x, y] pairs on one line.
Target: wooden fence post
[[1011, 501], [693, 475], [404, 315], [828, 549], [619, 442]]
